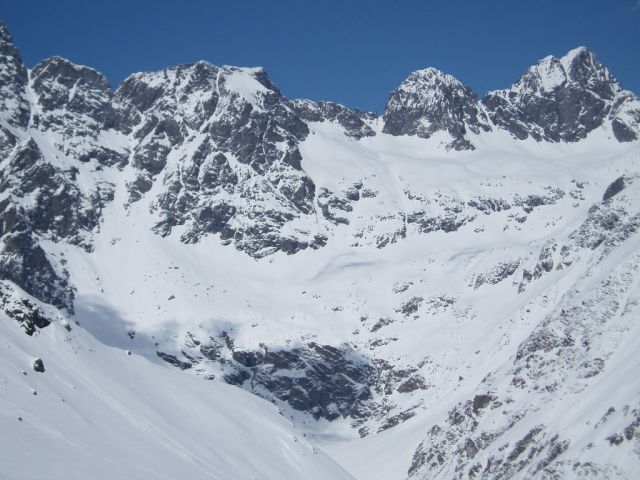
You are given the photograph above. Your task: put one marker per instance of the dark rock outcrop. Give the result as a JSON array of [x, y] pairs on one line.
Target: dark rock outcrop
[[563, 100], [430, 101], [354, 122]]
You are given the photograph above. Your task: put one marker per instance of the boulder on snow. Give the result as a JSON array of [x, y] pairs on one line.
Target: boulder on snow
[[38, 365]]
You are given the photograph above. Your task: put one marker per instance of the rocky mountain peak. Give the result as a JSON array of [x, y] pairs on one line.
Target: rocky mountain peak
[[234, 140], [429, 77], [430, 101], [559, 99], [58, 83], [252, 85], [578, 69], [7, 46], [14, 106], [583, 68], [547, 74], [68, 74], [151, 90], [187, 84], [261, 76], [76, 104]]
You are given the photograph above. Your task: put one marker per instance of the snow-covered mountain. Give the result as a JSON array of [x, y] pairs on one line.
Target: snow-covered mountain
[[564, 99], [73, 407], [430, 101], [449, 290]]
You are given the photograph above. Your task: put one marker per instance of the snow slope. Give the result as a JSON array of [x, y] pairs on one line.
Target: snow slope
[[100, 413]]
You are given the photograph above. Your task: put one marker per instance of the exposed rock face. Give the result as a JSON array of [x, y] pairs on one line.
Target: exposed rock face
[[200, 151], [625, 117], [15, 108], [325, 381], [75, 105], [355, 123], [614, 188], [30, 316], [39, 199], [49, 196], [563, 99], [430, 101], [233, 141], [24, 262]]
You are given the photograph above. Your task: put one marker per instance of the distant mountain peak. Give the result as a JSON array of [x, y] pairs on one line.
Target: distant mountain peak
[[13, 79], [61, 67], [559, 100], [5, 35], [431, 75], [429, 101], [579, 66]]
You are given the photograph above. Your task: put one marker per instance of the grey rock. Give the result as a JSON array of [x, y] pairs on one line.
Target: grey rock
[[58, 211], [563, 100], [78, 103], [625, 117], [411, 306], [30, 317], [430, 101], [211, 191], [614, 188], [323, 381], [38, 365], [411, 384], [175, 361], [481, 401], [14, 105], [333, 206], [354, 122], [496, 274]]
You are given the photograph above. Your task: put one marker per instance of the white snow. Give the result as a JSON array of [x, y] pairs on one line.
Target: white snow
[[243, 82], [102, 414]]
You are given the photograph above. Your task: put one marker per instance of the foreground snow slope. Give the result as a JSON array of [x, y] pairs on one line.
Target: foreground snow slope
[[96, 412]]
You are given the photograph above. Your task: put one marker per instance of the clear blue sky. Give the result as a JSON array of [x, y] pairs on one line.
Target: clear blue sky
[[351, 51]]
